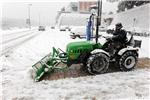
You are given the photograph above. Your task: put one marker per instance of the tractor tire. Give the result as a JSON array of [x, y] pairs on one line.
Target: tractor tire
[[128, 61], [98, 63]]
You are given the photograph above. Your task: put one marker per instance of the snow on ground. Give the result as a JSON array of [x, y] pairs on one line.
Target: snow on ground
[[11, 39], [18, 84], [15, 29]]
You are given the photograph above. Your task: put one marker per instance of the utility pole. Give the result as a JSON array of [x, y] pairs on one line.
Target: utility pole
[[29, 16], [99, 13], [134, 22]]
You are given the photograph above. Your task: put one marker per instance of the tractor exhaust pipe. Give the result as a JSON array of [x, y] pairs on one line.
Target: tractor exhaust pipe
[[99, 13]]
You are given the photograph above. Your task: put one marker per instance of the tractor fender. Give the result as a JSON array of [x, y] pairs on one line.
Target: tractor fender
[[129, 48], [100, 51]]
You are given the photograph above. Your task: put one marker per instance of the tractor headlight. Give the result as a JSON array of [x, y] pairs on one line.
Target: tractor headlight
[[71, 51], [46, 69]]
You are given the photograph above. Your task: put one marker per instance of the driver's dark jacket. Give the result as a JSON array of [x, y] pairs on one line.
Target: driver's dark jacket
[[120, 36]]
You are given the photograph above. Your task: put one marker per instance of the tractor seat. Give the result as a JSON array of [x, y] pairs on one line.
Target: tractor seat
[[130, 42]]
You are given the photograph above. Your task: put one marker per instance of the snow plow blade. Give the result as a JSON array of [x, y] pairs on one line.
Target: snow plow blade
[[48, 64]]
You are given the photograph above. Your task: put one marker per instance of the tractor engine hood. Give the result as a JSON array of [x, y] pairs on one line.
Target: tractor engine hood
[[80, 45], [75, 49]]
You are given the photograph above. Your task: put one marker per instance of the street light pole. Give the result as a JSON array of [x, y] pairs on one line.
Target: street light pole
[[39, 19], [98, 23], [29, 5]]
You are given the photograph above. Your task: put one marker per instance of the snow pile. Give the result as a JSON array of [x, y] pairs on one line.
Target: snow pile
[[18, 85]]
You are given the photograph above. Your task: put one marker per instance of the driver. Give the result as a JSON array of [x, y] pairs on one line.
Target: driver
[[119, 35], [117, 41]]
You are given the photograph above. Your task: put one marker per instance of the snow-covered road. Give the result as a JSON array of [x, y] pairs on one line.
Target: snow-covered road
[[17, 83], [10, 40]]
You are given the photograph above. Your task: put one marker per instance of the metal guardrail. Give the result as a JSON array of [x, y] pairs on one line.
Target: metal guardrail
[[144, 34]]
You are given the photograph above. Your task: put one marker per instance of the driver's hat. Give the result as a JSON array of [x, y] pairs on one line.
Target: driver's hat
[[119, 25]]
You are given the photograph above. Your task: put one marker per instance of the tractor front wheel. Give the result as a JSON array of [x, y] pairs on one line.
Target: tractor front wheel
[[98, 63]]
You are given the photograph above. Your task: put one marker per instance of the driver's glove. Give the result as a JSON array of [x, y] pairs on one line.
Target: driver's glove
[[109, 39]]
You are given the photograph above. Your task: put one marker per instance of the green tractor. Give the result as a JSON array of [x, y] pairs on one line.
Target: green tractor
[[95, 57]]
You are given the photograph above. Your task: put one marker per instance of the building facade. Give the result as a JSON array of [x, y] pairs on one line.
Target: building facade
[[85, 6]]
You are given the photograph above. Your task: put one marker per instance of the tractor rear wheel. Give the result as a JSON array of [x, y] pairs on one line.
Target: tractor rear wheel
[[128, 61], [98, 63]]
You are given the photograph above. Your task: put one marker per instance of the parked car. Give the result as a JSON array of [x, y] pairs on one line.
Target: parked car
[[77, 31], [41, 28], [80, 30], [64, 28], [52, 27], [102, 29]]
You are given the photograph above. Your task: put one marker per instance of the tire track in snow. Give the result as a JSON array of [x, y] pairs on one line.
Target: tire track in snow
[[9, 40], [10, 37], [18, 41]]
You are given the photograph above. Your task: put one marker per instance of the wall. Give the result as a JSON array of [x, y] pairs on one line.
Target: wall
[[137, 18]]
